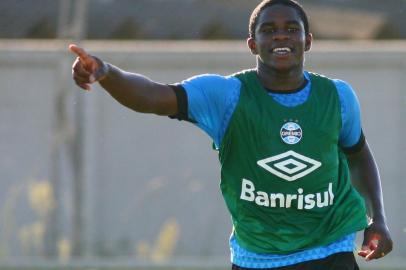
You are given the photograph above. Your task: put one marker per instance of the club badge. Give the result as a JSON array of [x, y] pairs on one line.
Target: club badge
[[291, 133]]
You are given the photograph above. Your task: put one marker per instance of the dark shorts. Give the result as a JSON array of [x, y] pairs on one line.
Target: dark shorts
[[338, 261]]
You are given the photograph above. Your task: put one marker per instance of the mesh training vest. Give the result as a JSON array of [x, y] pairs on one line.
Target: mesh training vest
[[284, 177]]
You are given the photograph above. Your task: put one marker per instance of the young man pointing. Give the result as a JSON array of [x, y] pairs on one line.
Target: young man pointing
[[297, 174]]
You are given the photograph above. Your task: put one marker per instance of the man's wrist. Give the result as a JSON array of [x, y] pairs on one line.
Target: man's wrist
[[103, 71]]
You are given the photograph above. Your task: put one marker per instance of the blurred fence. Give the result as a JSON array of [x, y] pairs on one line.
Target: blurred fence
[[83, 178]]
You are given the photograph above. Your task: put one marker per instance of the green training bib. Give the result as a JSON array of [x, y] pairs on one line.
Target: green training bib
[[284, 177]]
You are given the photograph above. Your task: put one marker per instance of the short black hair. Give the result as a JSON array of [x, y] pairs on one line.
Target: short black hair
[[267, 3]]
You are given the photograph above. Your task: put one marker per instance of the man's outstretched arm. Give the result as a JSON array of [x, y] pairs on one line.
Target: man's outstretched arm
[[365, 177], [134, 91]]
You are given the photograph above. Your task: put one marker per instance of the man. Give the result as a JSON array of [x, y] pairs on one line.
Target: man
[[288, 142]]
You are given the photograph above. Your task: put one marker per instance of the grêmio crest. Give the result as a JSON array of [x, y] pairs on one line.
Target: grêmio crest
[[291, 133]]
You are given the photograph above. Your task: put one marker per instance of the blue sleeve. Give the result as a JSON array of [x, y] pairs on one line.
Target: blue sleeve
[[211, 102], [350, 133]]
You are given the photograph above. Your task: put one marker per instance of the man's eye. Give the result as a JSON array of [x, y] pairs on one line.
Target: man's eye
[[293, 29], [268, 30]]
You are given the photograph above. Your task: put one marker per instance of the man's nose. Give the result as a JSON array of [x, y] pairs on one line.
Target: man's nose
[[281, 35]]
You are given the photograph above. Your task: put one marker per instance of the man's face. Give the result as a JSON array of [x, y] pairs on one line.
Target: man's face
[[280, 39]]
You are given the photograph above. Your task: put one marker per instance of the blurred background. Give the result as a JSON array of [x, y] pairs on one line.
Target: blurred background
[[86, 183]]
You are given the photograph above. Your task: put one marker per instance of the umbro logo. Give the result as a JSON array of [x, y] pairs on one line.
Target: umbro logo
[[289, 166]]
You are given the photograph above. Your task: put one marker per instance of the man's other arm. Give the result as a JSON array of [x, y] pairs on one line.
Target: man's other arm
[[365, 177]]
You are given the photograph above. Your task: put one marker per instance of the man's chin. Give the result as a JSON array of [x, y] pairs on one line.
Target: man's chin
[[281, 68]]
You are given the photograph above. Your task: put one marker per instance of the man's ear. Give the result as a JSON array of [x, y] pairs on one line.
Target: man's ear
[[252, 45], [308, 42]]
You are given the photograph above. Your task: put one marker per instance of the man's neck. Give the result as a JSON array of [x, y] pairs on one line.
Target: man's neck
[[280, 80]]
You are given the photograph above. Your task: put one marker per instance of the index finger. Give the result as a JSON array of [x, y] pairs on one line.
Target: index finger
[[375, 254], [383, 248], [79, 51]]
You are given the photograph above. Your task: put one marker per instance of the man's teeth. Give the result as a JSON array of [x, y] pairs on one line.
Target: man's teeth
[[282, 50]]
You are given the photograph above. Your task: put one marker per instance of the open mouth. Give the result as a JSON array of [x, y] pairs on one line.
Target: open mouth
[[281, 50]]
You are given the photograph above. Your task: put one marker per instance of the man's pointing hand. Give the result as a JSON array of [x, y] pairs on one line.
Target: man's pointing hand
[[86, 69]]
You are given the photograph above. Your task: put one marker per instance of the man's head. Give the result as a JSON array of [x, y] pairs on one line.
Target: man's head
[[279, 34], [267, 3]]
